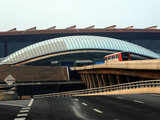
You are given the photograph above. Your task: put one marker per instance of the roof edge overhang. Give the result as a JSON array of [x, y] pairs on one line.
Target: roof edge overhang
[[96, 30], [74, 52]]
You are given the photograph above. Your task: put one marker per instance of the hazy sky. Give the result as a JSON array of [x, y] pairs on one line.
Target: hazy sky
[[24, 14]]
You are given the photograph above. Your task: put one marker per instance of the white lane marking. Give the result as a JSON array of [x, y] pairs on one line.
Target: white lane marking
[[76, 99], [24, 111], [138, 101], [12, 104], [84, 104], [26, 108], [78, 113], [97, 110], [31, 102], [120, 97], [22, 115], [23, 118]]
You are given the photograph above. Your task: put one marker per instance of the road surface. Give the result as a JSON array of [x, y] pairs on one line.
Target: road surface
[[118, 107]]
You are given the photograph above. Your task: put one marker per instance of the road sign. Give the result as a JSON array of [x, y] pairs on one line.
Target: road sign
[[10, 80]]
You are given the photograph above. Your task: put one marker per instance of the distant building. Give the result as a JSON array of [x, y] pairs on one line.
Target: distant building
[[14, 40], [75, 51]]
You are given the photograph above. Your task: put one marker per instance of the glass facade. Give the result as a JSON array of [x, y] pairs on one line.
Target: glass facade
[[1, 49], [75, 43]]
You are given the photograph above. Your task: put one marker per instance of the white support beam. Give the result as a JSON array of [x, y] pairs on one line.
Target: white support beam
[[12, 30], [152, 27], [51, 28], [129, 27], [31, 29], [110, 27], [90, 27], [71, 27]]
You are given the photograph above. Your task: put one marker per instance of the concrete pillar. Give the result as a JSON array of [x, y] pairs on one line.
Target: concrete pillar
[[103, 79], [85, 79], [106, 79], [118, 79], [110, 79], [93, 80], [89, 80], [127, 79], [82, 77], [98, 80]]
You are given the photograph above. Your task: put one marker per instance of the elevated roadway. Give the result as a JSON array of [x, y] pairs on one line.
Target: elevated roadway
[[153, 64], [112, 73], [32, 74], [29, 80]]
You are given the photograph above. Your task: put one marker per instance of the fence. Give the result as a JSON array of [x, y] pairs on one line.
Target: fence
[[125, 86]]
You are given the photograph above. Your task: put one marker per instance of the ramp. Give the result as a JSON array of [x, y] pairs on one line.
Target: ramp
[[25, 74]]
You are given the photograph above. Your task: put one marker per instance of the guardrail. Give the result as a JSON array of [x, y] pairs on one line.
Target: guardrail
[[125, 86]]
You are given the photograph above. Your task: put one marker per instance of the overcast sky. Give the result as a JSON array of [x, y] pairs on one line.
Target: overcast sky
[[24, 14]]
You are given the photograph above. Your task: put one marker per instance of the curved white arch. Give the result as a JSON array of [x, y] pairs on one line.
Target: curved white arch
[[74, 43]]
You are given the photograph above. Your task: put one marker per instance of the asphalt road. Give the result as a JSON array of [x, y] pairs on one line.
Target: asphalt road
[[10, 109], [119, 107]]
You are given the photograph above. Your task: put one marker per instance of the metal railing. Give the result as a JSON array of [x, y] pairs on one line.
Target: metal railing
[[124, 86]]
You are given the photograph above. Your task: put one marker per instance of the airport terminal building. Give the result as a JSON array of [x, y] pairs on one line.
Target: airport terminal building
[[72, 46], [75, 51]]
